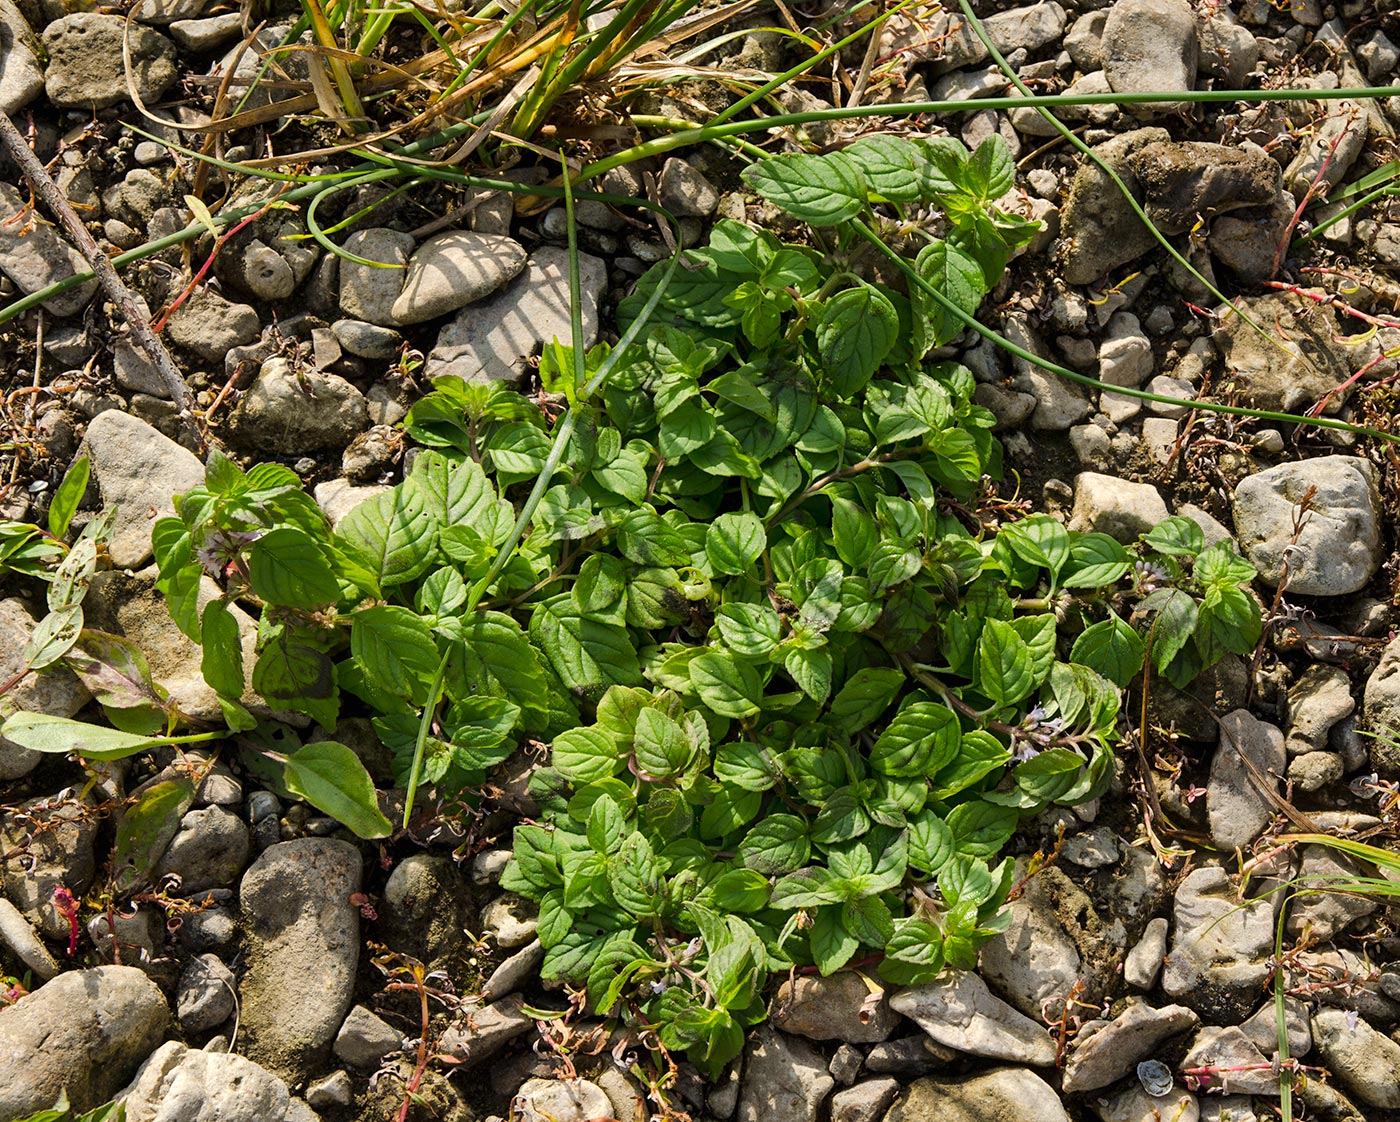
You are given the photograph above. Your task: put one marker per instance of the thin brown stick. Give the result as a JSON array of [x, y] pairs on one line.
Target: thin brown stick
[[122, 296]]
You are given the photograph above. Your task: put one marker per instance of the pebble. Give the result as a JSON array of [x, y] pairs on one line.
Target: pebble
[[1313, 771], [204, 998], [425, 907], [1133, 1104], [1098, 230], [1112, 1049], [211, 326], [1150, 46], [365, 1039], [785, 1080], [1092, 849], [332, 1091], [33, 256], [367, 340], [56, 691], [1144, 961], [1262, 1027], [510, 919], [1059, 403], [1317, 701], [909, 1055], [21, 71], [1108, 505], [451, 270], [488, 866], [59, 856], [1007, 1094], [839, 1007], [86, 68], [1237, 809], [1279, 378], [846, 1063], [864, 1102], [515, 972], [186, 1083], [212, 927], [200, 36], [684, 191], [287, 411], [84, 1032], [210, 850], [369, 292], [24, 942], [1218, 960], [960, 1012], [1326, 914], [1363, 1060], [1339, 548], [482, 1031], [494, 339], [560, 1100], [303, 936]]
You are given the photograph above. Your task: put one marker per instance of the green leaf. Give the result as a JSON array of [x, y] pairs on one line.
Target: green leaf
[[586, 755], [395, 650], [856, 329], [746, 765], [818, 190], [991, 172], [286, 567], [914, 952], [1095, 560], [635, 875], [587, 655], [1112, 648], [67, 495], [922, 738], [146, 829], [455, 492], [497, 640], [888, 164], [959, 277], [1176, 537], [807, 888], [1046, 777], [733, 542], [832, 945], [841, 818], [930, 842], [776, 845], [741, 890], [1177, 613], [660, 745], [728, 686], [939, 165], [981, 753], [42, 732], [864, 697], [643, 537], [980, 828], [892, 562], [332, 779], [752, 630], [221, 661], [53, 637], [1041, 540], [114, 670], [1006, 669], [293, 674], [1220, 567], [811, 669], [853, 532], [392, 533]]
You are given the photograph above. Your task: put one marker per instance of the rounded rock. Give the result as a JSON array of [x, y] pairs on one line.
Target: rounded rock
[[454, 269]]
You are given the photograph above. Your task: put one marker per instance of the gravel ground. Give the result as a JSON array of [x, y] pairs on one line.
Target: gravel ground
[[274, 986]]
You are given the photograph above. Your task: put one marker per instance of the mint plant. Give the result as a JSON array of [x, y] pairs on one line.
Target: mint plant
[[799, 677]]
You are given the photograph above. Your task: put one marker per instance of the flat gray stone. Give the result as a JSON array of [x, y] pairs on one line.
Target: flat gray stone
[[1150, 46], [369, 292], [453, 269], [21, 71], [1218, 959], [1339, 549], [1118, 507], [1363, 1060], [840, 1007], [1235, 803], [494, 339], [24, 942], [292, 413], [84, 1032], [303, 944], [34, 256], [959, 1012], [365, 1039], [86, 67], [785, 1080], [1008, 1094], [194, 1086], [211, 326], [1113, 1049]]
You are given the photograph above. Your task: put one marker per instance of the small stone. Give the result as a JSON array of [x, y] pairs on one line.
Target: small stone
[[1236, 807], [1313, 771], [204, 998], [510, 919], [86, 68], [961, 1013], [488, 866], [21, 71], [332, 1091], [1133, 1104], [1230, 1048], [1005, 1094], [839, 1007], [453, 269], [425, 907], [1093, 849], [1262, 1028], [1150, 46], [1316, 702], [1092, 445], [1117, 507], [1085, 41], [211, 326], [1181, 391], [1112, 1050], [210, 850], [485, 1030], [367, 340], [909, 1055], [684, 191], [785, 1080], [212, 927], [338, 497], [845, 1065], [1314, 365], [1326, 914], [57, 691], [56, 851], [33, 256], [1144, 961], [1125, 355], [1363, 1060], [24, 942], [493, 340], [85, 1032], [1059, 403], [289, 411], [201, 36], [1339, 548], [1099, 231], [865, 1102], [560, 1100], [367, 292], [185, 1083], [365, 1039]]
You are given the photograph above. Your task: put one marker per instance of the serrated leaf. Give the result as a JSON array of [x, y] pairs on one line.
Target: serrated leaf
[[1112, 648], [959, 277], [734, 542], [922, 738], [856, 329], [392, 533], [287, 568], [819, 190]]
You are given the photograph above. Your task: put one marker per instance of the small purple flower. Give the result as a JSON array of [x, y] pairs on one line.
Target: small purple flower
[[221, 547], [1024, 750], [1147, 575]]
